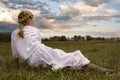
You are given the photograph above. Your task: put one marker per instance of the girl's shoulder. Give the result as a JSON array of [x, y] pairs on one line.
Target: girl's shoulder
[[32, 28]]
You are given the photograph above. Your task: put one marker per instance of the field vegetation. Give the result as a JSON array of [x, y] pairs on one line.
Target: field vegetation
[[103, 53]]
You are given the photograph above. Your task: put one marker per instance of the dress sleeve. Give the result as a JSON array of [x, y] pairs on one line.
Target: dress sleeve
[[13, 47]]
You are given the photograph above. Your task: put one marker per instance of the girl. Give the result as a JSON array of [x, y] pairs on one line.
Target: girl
[[26, 42]]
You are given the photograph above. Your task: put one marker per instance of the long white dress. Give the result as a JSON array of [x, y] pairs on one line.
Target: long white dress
[[31, 48]]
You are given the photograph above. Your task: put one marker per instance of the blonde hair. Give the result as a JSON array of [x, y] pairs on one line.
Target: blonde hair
[[23, 18]]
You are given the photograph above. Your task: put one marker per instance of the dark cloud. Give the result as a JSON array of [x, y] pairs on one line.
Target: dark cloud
[[72, 12], [116, 15], [94, 25], [64, 18], [56, 0], [43, 24], [99, 18], [47, 14], [65, 0], [99, 2], [7, 27], [96, 18], [88, 2], [25, 4], [31, 2], [117, 21], [95, 2]]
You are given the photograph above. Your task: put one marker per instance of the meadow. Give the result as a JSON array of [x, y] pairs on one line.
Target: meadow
[[103, 53]]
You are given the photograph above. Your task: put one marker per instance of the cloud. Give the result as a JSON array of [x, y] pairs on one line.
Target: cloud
[[18, 1], [118, 34], [117, 21], [65, 0], [45, 23], [107, 15], [96, 2], [64, 18], [107, 34], [78, 9], [37, 5], [7, 15], [10, 15], [93, 33], [72, 15], [69, 10], [21, 4], [88, 12]]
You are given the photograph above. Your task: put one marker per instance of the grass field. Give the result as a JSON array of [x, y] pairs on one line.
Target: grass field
[[103, 53]]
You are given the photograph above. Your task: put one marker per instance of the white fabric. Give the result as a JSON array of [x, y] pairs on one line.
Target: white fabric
[[30, 48]]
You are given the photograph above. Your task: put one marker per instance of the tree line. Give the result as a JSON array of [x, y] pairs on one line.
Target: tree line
[[6, 37], [74, 38], [79, 38]]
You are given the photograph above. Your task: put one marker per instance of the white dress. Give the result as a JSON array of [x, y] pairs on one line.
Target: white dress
[[31, 49]]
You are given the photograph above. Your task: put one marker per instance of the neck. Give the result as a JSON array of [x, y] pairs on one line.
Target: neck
[[29, 25]]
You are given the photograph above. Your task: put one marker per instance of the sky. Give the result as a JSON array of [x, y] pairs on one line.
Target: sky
[[97, 18]]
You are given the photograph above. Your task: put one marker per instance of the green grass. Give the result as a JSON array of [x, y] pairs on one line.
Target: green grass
[[103, 53]]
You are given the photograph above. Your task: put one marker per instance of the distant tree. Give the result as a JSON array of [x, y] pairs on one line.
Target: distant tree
[[79, 37], [99, 38], [88, 37], [55, 38], [5, 37], [76, 38], [63, 38], [45, 39], [82, 38]]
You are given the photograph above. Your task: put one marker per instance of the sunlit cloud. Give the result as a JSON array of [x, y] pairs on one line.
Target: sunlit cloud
[[77, 9]]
